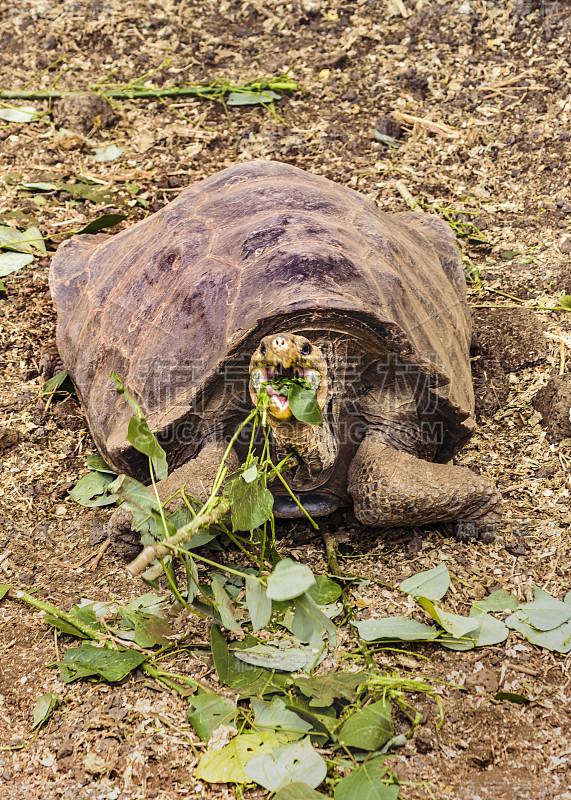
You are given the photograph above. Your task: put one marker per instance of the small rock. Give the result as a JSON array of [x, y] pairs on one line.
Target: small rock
[[423, 740], [60, 511], [84, 113], [553, 403], [388, 126], [565, 245], [513, 336], [484, 680], [9, 437], [94, 764], [67, 415]]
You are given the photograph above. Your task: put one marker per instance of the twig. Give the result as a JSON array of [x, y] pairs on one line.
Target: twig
[[561, 352], [333, 566], [184, 534], [521, 668], [407, 197], [99, 554], [434, 127]]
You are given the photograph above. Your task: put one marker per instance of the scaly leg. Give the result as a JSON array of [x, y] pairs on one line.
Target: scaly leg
[[198, 474], [391, 488]]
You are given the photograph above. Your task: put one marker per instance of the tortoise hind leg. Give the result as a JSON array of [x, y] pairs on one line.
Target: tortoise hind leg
[[196, 475], [391, 488]]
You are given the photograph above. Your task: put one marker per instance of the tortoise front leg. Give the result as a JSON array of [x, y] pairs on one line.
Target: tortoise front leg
[[391, 488], [198, 474]]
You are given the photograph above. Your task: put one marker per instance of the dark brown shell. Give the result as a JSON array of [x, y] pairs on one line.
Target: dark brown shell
[[177, 303]]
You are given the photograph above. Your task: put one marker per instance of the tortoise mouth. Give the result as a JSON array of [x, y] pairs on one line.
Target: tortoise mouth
[[278, 404], [272, 372], [285, 356]]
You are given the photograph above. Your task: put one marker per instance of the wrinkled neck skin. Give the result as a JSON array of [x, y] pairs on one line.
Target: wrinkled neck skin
[[316, 448]]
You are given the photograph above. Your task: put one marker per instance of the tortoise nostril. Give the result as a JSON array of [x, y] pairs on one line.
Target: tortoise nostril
[[279, 342]]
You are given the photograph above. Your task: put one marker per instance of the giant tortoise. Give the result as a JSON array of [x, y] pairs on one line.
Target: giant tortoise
[[264, 270]]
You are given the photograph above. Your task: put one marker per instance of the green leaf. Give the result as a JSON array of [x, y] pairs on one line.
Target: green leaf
[[148, 629], [96, 462], [228, 765], [84, 613], [267, 683], [309, 621], [21, 114], [276, 716], [512, 697], [386, 139], [54, 383], [432, 583], [120, 388], [39, 186], [89, 192], [209, 712], [105, 221], [324, 590], [455, 624], [303, 404], [107, 153], [396, 629], [298, 791], [289, 579], [45, 704], [10, 262], [324, 689], [365, 783], [231, 671], [264, 655], [87, 661], [135, 495], [252, 98], [368, 728], [91, 490], [224, 604], [489, 631], [558, 639], [322, 720], [4, 589], [28, 241], [508, 255], [259, 604], [250, 474], [287, 764], [565, 301], [144, 440], [500, 600], [544, 612], [251, 501]]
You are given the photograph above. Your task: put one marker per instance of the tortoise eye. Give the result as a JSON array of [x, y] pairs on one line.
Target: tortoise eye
[[306, 349], [263, 349]]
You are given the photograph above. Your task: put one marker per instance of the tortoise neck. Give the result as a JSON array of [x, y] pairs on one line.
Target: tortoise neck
[[315, 446]]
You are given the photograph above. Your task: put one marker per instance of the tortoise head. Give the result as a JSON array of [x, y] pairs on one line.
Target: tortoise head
[[285, 355]]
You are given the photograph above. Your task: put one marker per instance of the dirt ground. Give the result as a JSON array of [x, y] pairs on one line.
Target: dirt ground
[[477, 96]]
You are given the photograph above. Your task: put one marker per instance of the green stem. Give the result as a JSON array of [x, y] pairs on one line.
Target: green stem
[[82, 627], [210, 91], [293, 497]]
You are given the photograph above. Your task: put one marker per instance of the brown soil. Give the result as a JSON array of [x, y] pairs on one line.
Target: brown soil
[[497, 76]]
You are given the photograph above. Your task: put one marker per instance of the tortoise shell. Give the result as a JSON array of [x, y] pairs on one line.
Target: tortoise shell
[[177, 303]]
